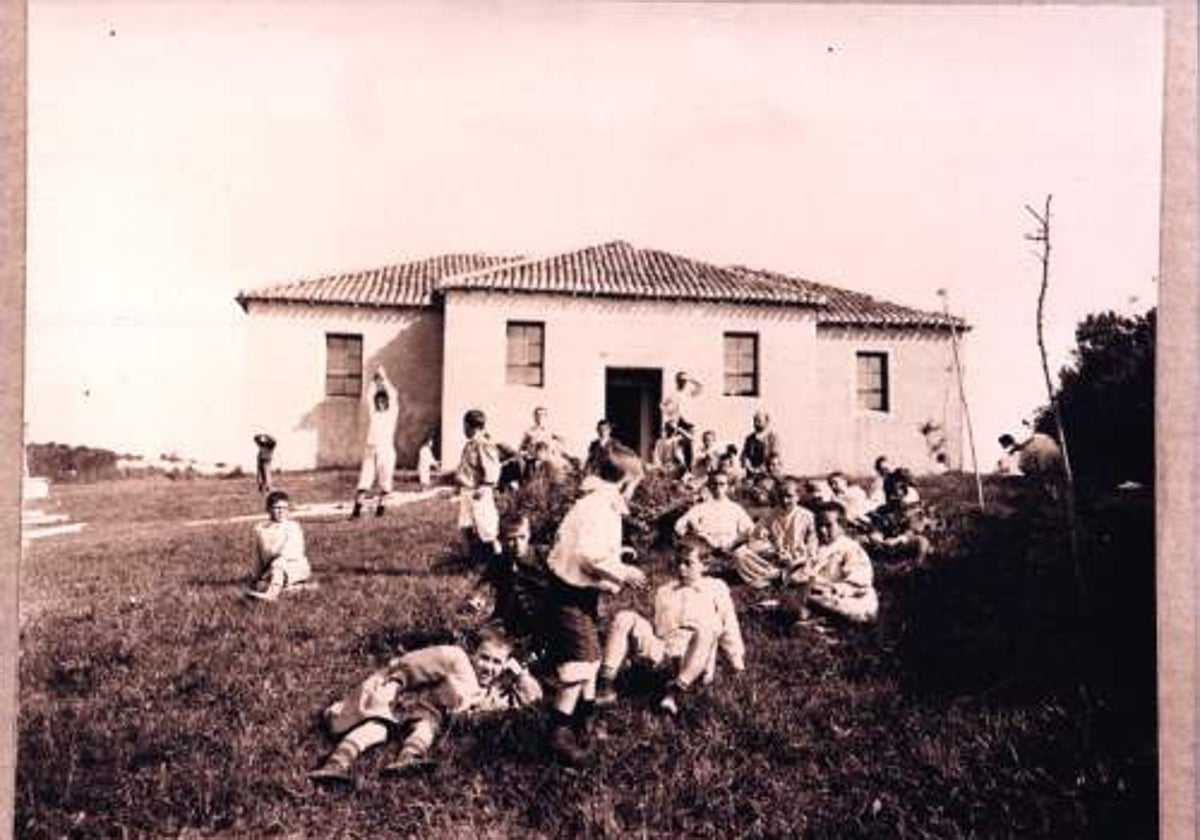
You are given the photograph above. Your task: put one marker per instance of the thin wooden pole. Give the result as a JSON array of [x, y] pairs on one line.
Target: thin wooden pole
[[962, 396]]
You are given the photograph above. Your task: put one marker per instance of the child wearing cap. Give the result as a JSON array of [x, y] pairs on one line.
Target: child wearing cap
[[280, 546], [412, 698], [586, 560], [477, 475], [694, 617]]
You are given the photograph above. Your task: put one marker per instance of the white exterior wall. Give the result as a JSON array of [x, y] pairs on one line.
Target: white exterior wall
[[922, 389], [286, 379], [583, 336]]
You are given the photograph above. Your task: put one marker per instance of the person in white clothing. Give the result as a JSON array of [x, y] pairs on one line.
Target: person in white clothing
[[279, 541], [719, 521], [427, 462], [694, 617], [842, 579], [851, 497], [379, 453], [587, 559], [781, 543], [676, 408]]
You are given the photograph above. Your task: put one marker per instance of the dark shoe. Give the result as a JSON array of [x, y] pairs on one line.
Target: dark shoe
[[606, 695], [407, 764], [379, 510], [332, 773], [357, 512], [566, 748]]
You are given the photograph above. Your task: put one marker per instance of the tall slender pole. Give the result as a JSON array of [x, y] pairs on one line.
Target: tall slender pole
[[962, 396]]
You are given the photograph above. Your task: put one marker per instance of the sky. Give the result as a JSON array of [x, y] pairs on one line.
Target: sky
[[179, 152]]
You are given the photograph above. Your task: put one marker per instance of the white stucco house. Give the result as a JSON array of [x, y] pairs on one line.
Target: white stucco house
[[600, 332]]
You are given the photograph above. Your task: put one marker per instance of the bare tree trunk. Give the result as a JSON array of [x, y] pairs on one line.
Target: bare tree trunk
[[1043, 236]]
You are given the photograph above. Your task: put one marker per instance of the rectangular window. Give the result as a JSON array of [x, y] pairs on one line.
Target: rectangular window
[[343, 365], [872, 382], [526, 354], [741, 364]]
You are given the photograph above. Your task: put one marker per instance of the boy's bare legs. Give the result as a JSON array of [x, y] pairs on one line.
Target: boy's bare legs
[[571, 711], [625, 625]]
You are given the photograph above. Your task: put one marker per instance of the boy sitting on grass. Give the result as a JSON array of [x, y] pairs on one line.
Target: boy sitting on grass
[[785, 540], [719, 521], [842, 580], [896, 529], [515, 582], [280, 545], [693, 618], [414, 695]]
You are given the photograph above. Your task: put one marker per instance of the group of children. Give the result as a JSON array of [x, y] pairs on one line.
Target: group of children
[[813, 549]]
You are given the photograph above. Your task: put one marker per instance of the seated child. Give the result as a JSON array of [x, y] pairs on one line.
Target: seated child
[[280, 544], [764, 487], [895, 529], [707, 458], [515, 581], [414, 695], [782, 542], [851, 497], [841, 581], [719, 521], [668, 456], [693, 618]]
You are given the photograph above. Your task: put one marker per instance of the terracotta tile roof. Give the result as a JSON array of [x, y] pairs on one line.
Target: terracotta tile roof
[[618, 269], [403, 284], [614, 269], [845, 308]]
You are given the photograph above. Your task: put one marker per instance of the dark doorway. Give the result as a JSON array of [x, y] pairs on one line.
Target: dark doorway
[[631, 403]]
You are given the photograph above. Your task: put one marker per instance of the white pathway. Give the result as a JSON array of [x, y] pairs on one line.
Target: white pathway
[[317, 510]]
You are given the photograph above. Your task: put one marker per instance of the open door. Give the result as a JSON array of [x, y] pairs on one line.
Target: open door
[[631, 404]]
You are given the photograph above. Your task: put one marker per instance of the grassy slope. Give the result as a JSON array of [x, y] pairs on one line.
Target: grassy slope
[[153, 700]]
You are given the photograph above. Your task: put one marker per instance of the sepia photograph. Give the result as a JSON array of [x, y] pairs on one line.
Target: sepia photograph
[[590, 420]]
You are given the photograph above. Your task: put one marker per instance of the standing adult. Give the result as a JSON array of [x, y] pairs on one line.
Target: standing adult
[[676, 408], [379, 453]]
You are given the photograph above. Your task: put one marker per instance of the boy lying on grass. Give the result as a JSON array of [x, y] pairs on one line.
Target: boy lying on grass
[[282, 563], [414, 695], [693, 617], [842, 580]]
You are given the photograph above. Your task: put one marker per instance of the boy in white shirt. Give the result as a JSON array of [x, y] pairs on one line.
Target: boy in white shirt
[[414, 695], [587, 559], [280, 544], [719, 521], [379, 453], [781, 543], [427, 462], [694, 616], [842, 579]]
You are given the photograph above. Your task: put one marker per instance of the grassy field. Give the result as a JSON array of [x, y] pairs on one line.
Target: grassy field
[[988, 702]]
